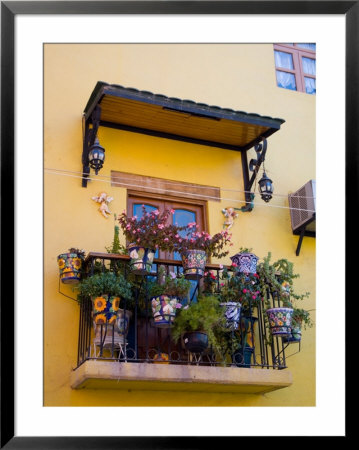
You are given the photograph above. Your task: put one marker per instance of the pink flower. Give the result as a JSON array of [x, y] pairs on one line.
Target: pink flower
[[161, 226], [173, 275], [172, 211], [178, 305], [254, 297], [244, 291], [186, 307], [234, 264], [165, 239], [156, 212], [221, 266]]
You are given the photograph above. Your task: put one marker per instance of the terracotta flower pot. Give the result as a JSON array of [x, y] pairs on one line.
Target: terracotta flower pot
[[70, 265], [194, 263], [141, 259]]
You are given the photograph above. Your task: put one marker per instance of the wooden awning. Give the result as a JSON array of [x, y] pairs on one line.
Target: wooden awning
[[144, 112]]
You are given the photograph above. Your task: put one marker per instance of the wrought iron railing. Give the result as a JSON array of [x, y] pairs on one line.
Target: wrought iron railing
[[145, 342]]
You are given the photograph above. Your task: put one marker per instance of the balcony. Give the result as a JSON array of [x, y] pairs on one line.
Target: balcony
[[147, 358]]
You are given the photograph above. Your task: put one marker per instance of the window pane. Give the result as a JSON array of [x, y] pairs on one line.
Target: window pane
[[286, 80], [309, 46], [283, 60], [182, 217], [310, 85], [138, 211], [309, 65]]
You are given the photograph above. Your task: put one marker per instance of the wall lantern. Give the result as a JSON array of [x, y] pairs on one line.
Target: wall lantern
[[96, 156], [265, 184], [265, 188]]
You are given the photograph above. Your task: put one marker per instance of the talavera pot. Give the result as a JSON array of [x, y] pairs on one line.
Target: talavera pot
[[194, 264], [141, 259]]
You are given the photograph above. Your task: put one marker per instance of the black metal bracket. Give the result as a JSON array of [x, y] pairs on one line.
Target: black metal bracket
[[91, 126], [253, 166]]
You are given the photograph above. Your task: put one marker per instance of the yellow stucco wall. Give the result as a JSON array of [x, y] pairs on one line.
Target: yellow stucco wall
[[241, 77]]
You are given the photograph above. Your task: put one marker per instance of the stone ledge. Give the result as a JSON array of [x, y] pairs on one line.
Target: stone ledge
[[94, 374]]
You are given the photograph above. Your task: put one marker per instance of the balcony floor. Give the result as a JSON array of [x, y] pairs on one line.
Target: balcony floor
[[95, 374]]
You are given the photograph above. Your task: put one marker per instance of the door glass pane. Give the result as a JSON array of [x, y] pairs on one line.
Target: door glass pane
[[283, 60], [309, 46], [310, 85], [138, 211], [286, 80], [309, 65], [182, 217]]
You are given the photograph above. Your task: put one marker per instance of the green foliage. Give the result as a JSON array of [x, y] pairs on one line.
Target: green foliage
[[205, 315], [116, 247], [277, 278], [171, 284], [105, 283], [245, 250], [240, 287], [79, 252], [301, 318]]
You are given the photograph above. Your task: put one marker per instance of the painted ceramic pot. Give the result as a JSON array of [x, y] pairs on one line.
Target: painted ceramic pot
[[280, 321], [70, 265], [161, 358], [105, 309], [164, 310], [141, 259], [194, 263], [195, 341], [232, 313], [295, 336], [246, 262]]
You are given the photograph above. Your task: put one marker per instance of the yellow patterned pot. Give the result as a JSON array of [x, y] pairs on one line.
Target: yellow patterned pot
[[70, 267]]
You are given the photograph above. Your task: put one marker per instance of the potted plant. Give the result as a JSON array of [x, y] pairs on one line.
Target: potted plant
[[166, 295], [300, 320], [277, 279], [239, 292], [195, 247], [245, 261], [146, 235], [197, 323], [70, 265], [106, 291]]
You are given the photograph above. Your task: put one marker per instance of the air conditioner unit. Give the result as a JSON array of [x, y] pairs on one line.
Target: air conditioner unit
[[302, 211]]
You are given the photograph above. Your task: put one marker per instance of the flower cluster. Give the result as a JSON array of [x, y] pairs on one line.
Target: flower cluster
[[151, 230], [240, 287], [201, 240]]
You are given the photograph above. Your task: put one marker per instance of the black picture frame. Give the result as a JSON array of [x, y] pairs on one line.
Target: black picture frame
[[9, 9]]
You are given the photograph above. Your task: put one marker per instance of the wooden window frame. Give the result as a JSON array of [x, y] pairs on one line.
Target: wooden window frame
[[147, 197], [297, 54]]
